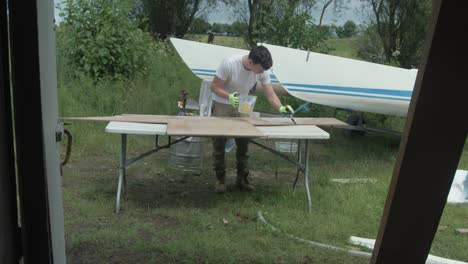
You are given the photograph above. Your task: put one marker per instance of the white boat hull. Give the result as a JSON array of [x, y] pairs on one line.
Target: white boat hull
[[343, 83], [317, 78]]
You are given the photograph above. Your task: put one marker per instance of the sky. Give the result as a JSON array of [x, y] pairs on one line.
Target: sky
[[224, 15]]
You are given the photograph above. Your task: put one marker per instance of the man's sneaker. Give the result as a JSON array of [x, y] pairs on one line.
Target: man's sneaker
[[244, 185], [220, 187]]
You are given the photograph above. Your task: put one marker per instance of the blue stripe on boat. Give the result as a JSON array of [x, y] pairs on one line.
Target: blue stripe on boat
[[344, 94], [403, 93]]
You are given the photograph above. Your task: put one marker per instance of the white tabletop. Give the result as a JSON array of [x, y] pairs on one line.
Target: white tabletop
[[136, 128], [294, 132], [286, 132]]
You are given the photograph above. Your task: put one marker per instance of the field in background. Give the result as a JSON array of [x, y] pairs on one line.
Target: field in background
[[228, 41], [175, 217], [345, 47]]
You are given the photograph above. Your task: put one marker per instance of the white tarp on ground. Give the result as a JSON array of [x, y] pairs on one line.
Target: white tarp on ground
[[431, 259], [459, 190]]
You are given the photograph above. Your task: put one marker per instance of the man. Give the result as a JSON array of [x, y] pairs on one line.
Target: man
[[235, 76]]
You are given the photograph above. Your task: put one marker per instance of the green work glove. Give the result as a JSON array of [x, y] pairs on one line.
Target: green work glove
[[286, 109], [234, 99]]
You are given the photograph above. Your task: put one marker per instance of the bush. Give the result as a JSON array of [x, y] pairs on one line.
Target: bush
[[291, 30], [101, 40]]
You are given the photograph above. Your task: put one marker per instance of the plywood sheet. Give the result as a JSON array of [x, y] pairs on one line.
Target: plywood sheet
[[150, 119], [286, 121], [211, 126], [264, 121]]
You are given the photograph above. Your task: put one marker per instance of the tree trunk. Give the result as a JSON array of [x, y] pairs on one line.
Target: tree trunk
[[171, 17], [252, 15], [185, 26], [323, 11]]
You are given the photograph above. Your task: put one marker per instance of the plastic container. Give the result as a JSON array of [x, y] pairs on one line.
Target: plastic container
[[247, 103], [465, 187], [230, 142]]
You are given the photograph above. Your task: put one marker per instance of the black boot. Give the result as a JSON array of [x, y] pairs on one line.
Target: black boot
[[220, 185], [243, 183]]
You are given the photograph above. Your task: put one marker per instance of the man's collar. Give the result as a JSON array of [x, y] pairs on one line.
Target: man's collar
[[243, 65]]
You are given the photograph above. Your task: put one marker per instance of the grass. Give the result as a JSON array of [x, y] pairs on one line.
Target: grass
[[228, 41], [345, 47], [174, 217]]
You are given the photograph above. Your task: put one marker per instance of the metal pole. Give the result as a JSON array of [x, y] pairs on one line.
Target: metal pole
[[123, 151], [299, 159], [306, 174]]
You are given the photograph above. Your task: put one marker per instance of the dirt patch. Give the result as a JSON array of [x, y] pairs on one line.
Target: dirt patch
[[242, 218], [159, 221], [85, 252], [88, 252]]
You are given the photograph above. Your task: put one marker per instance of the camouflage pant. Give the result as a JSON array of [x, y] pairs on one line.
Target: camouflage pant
[[219, 144]]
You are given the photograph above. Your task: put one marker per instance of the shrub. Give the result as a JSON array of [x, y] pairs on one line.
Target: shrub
[[102, 40]]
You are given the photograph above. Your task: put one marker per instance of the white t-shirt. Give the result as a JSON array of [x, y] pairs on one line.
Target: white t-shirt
[[237, 78]]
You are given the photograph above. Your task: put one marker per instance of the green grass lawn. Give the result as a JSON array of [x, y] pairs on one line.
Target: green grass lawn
[[345, 47], [174, 217], [228, 41]]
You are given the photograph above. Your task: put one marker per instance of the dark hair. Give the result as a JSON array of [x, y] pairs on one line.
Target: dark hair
[[261, 55]]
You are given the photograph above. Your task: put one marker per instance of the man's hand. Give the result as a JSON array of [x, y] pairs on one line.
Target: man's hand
[[286, 109], [234, 99]]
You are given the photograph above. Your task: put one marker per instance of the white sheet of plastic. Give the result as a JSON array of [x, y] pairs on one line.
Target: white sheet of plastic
[[431, 259], [205, 98], [459, 190]]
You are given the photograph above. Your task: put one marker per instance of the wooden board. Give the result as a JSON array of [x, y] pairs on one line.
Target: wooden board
[[264, 121], [211, 126], [286, 121], [150, 119]]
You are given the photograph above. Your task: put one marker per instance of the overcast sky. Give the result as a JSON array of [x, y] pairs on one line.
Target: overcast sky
[[224, 15]]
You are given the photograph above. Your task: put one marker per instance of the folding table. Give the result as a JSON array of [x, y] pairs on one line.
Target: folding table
[[303, 133]]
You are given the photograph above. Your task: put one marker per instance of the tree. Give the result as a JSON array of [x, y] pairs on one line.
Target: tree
[[370, 46], [349, 29], [102, 40], [170, 17], [166, 18], [285, 22], [217, 28], [199, 26], [337, 6], [401, 26], [239, 28]]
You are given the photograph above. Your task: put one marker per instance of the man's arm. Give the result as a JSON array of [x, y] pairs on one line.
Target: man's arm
[[271, 96], [217, 88]]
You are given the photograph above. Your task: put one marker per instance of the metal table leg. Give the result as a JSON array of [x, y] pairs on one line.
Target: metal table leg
[[300, 167], [122, 169], [299, 160], [306, 174]]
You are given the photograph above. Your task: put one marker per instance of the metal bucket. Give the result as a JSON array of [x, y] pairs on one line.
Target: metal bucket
[[187, 154], [286, 146]]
